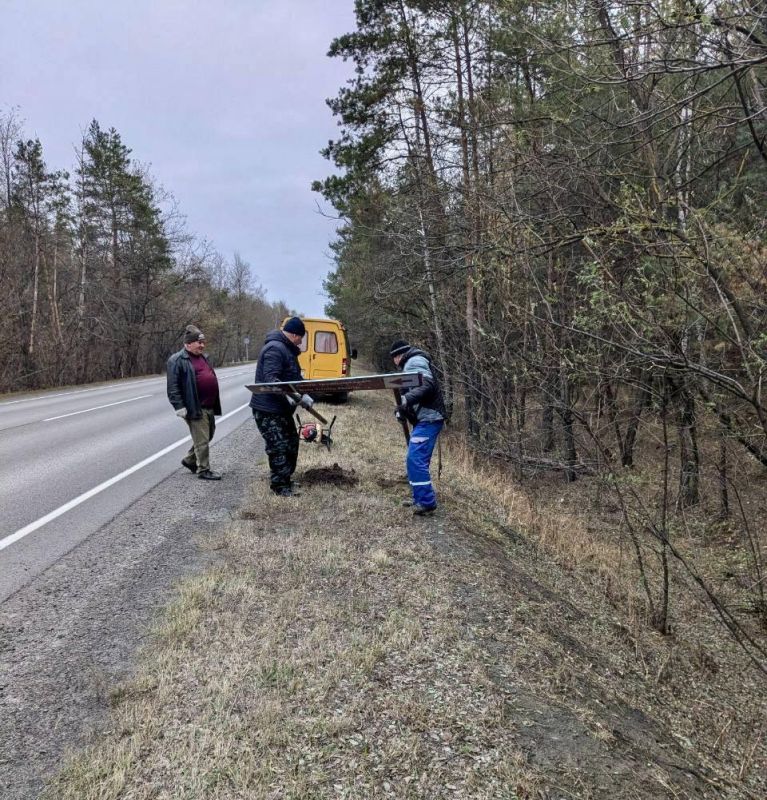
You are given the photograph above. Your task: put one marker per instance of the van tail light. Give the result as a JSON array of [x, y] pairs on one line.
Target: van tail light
[[344, 366]]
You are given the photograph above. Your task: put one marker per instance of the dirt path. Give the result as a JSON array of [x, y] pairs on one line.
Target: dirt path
[[68, 638]]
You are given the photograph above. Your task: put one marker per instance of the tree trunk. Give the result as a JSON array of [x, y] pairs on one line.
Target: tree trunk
[[641, 400], [724, 496], [565, 411], [435, 317], [35, 293], [689, 457]]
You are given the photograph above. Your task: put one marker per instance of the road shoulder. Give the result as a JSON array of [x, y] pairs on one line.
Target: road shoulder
[[72, 634]]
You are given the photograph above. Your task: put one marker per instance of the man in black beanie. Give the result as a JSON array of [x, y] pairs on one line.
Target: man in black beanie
[[424, 407], [273, 413], [193, 392]]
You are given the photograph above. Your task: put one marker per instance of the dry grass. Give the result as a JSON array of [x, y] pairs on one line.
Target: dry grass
[[343, 649], [700, 683]]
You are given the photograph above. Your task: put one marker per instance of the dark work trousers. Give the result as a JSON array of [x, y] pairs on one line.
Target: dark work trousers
[[281, 445]]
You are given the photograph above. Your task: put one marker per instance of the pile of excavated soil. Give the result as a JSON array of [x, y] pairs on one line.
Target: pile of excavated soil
[[335, 476]]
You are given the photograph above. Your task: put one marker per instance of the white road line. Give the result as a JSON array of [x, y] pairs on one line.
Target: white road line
[[33, 526], [46, 396], [104, 388], [96, 408]]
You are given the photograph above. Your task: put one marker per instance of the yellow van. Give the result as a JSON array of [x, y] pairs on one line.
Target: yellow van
[[325, 351]]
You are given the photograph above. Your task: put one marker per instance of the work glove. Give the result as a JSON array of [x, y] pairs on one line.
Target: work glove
[[400, 412], [306, 402], [181, 413]]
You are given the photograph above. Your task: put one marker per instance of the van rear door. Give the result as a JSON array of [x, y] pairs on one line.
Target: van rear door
[[325, 349]]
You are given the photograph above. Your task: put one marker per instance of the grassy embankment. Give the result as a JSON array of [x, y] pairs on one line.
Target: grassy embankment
[[343, 649]]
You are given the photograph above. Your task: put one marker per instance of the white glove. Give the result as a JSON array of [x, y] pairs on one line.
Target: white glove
[[306, 401], [181, 413]]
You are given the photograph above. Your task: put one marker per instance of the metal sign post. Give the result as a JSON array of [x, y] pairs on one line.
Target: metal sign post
[[394, 380], [402, 420], [296, 395]]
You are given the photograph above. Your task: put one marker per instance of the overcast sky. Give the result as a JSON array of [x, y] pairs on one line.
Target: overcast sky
[[224, 100]]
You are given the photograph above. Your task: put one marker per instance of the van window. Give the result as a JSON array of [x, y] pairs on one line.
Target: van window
[[325, 342], [302, 346]]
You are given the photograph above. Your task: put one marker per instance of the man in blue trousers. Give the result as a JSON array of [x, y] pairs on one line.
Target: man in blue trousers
[[424, 407]]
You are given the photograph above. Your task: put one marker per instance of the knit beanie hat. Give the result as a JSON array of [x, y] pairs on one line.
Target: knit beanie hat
[[193, 334], [398, 348], [294, 325]]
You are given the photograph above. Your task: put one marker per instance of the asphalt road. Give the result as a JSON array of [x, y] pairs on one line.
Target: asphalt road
[[71, 635], [71, 460]]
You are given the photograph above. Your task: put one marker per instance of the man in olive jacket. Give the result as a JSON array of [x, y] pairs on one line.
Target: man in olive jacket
[[193, 392], [273, 413]]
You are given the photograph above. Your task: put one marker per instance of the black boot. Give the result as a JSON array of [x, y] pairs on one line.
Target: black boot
[[208, 475]]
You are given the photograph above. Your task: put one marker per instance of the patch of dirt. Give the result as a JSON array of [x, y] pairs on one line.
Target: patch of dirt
[[335, 475], [391, 483]]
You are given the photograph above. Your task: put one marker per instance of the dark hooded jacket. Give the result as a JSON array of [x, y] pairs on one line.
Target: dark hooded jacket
[[425, 403], [277, 361], [182, 385]]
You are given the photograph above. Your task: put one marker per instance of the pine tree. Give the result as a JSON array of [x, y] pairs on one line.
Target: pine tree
[[123, 243]]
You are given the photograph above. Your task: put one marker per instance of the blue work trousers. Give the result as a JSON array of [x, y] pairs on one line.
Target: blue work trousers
[[422, 440]]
